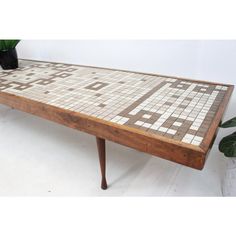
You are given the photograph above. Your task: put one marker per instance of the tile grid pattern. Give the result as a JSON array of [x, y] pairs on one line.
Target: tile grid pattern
[[174, 108]]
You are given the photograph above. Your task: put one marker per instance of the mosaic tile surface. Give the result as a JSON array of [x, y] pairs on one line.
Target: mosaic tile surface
[[174, 108]]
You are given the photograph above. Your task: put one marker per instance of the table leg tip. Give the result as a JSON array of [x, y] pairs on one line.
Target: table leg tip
[[104, 185]]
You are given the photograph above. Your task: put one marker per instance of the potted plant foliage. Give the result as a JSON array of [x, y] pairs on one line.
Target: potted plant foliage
[[8, 54], [228, 146]]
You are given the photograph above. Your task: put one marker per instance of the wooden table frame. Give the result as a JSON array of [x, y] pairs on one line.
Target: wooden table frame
[[185, 154]]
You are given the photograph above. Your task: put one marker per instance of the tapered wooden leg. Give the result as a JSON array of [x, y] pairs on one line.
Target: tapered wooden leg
[[102, 158]]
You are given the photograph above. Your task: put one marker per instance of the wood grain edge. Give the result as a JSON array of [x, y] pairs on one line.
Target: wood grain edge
[[213, 129], [181, 153]]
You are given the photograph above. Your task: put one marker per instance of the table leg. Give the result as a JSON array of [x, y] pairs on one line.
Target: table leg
[[102, 158]]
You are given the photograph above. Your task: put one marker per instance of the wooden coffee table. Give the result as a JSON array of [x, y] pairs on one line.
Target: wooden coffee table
[[169, 117]]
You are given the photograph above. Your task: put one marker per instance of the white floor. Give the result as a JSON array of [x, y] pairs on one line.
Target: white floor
[[41, 158]]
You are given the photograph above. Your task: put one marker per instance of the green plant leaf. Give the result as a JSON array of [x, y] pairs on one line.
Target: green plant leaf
[[2, 45], [8, 44], [229, 123], [228, 145]]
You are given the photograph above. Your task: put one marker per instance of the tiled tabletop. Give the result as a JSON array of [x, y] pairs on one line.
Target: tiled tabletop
[[175, 108]]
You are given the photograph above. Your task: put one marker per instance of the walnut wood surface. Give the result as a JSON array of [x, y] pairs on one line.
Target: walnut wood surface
[[101, 145]]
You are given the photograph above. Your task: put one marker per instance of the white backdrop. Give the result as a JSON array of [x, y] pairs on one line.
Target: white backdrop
[[204, 60]]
